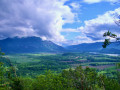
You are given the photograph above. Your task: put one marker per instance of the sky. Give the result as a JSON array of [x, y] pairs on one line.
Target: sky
[[64, 22]]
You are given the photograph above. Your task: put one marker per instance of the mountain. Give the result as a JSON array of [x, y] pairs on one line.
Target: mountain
[[28, 45], [95, 47], [84, 47], [36, 44]]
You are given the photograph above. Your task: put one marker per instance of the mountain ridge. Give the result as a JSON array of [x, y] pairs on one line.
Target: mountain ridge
[[28, 45], [95, 47], [36, 45]]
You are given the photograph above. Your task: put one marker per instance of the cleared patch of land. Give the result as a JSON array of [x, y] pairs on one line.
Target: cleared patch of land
[[32, 64]]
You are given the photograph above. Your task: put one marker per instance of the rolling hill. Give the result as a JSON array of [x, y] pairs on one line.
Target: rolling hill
[[95, 47]]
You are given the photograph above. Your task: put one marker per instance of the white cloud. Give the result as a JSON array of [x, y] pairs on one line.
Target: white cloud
[[95, 28], [97, 1], [84, 39], [43, 18], [70, 30], [78, 40], [92, 1], [75, 5]]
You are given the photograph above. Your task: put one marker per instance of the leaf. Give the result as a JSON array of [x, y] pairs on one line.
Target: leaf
[[113, 35], [106, 43]]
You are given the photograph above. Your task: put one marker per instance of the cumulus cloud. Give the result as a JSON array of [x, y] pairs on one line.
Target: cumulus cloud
[[75, 5], [42, 18], [95, 28], [97, 1]]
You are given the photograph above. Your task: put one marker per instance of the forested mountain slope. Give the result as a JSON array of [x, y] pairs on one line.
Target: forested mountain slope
[[28, 45], [95, 47]]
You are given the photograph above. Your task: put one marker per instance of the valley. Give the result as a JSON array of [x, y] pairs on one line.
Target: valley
[[59, 44], [35, 64], [31, 63]]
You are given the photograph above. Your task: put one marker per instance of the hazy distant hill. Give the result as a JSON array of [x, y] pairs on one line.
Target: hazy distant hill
[[36, 44], [28, 45], [95, 47]]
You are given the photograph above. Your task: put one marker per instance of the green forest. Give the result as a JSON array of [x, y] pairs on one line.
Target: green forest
[[64, 71]]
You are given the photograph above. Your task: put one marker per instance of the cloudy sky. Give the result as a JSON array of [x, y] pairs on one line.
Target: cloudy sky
[[65, 22]]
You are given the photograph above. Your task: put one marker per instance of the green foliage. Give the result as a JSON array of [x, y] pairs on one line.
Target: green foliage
[[69, 79], [50, 81], [35, 64], [107, 41], [108, 84], [108, 33], [111, 35], [1, 53], [77, 79], [4, 80]]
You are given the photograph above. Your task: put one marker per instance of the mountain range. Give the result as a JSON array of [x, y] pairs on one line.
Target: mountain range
[[36, 45], [114, 47], [28, 45]]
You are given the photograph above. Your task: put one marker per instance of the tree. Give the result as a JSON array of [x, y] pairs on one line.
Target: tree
[[110, 34], [107, 42], [8, 77], [3, 79]]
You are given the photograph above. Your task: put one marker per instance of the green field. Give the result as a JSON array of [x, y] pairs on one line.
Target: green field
[[64, 71], [35, 64]]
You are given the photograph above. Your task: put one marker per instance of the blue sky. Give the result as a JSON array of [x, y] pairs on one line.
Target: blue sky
[[65, 22], [86, 12]]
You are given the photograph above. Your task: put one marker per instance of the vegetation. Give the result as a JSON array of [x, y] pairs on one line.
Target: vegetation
[[31, 72], [110, 34], [35, 64], [77, 79]]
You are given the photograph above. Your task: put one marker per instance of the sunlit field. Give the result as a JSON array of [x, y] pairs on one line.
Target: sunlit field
[[34, 64]]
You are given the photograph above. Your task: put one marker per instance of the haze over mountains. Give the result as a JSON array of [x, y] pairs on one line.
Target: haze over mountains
[[28, 45], [35, 44], [96, 47]]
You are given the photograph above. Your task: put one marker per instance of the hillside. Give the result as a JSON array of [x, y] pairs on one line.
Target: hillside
[[28, 45], [36, 44], [95, 47]]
